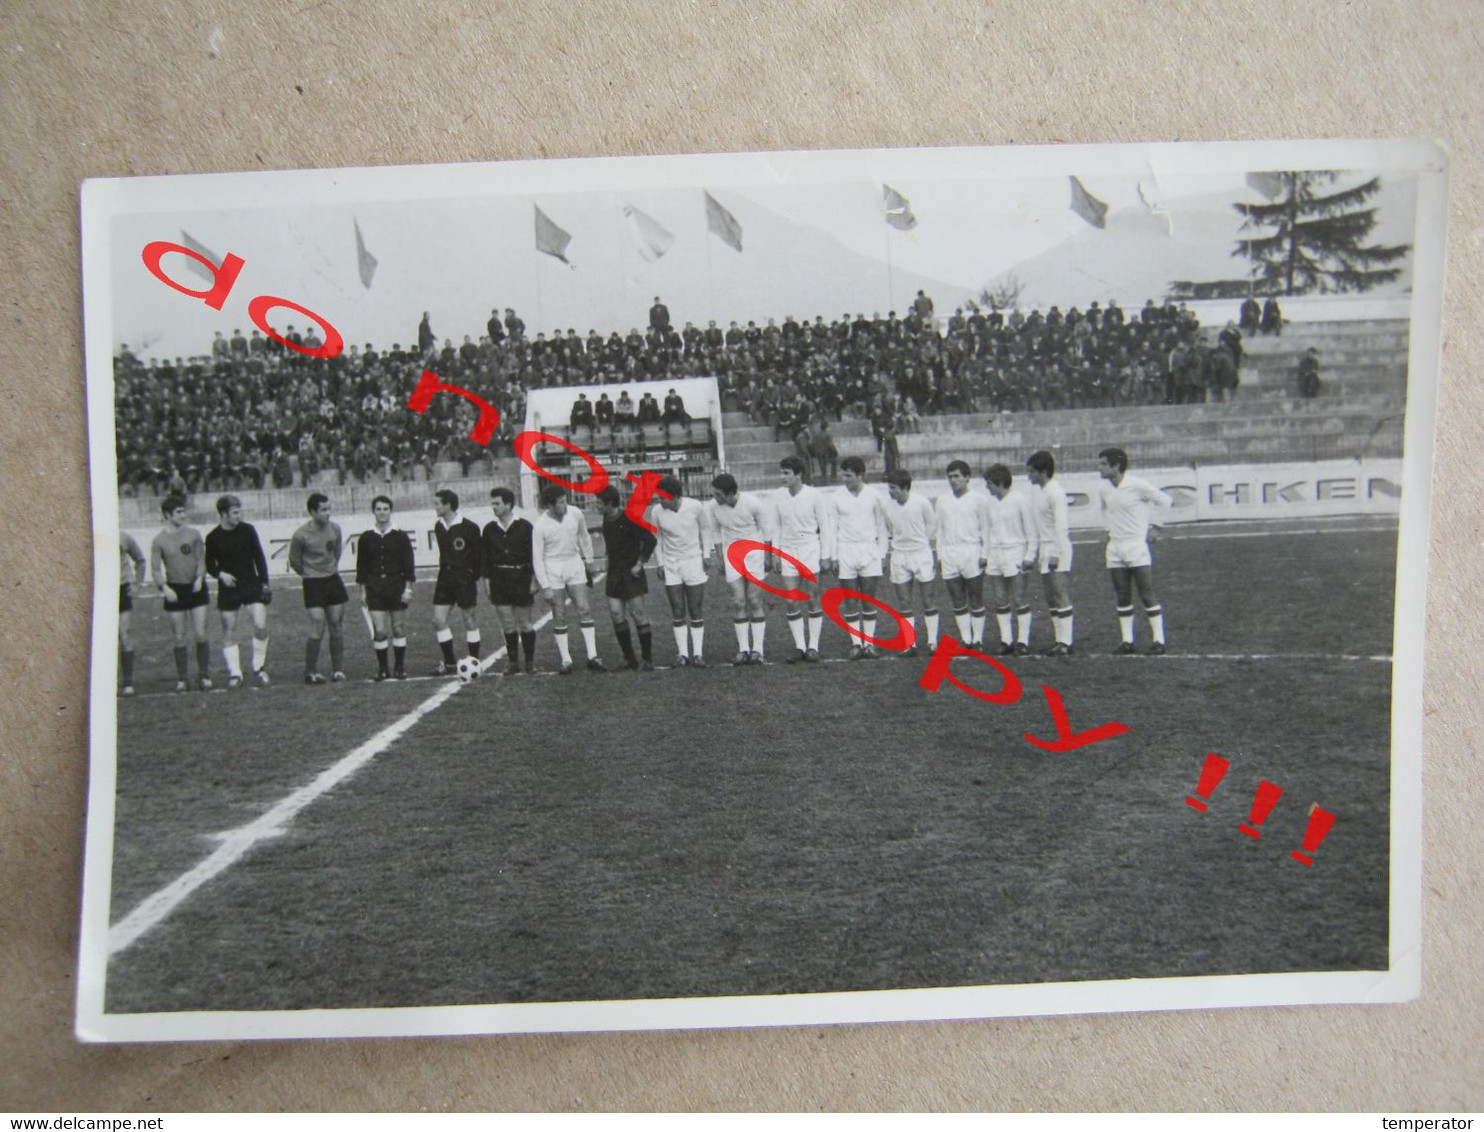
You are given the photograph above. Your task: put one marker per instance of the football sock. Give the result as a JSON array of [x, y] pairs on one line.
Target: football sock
[[816, 627], [472, 639], [796, 627], [203, 659], [976, 625], [399, 652], [589, 637], [682, 638], [561, 643], [182, 662], [625, 639], [445, 644], [759, 627], [311, 654], [259, 653], [1126, 624], [1063, 620], [233, 657], [930, 616], [1067, 616], [1023, 616], [961, 620], [512, 647], [337, 650], [1005, 620], [126, 661], [1156, 615], [739, 624], [868, 626], [698, 638], [528, 645], [646, 642], [380, 645]]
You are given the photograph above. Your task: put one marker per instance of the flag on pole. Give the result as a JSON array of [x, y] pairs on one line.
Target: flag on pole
[[364, 259], [898, 210], [651, 237], [723, 223], [200, 249], [1269, 185], [1087, 206], [551, 239]]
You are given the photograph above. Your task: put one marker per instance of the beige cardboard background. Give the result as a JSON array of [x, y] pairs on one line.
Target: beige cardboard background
[[111, 89]]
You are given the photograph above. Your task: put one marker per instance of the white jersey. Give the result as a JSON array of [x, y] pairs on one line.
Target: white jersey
[[559, 542], [748, 520], [805, 521], [1049, 505], [681, 533], [1128, 508], [911, 527], [860, 520], [1012, 525], [963, 522]]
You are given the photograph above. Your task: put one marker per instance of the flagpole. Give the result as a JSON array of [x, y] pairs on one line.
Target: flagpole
[[710, 278]]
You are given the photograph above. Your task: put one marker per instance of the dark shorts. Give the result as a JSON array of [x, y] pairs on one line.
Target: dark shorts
[[511, 585], [180, 597], [384, 595], [460, 589], [126, 599], [623, 586], [321, 593], [229, 599]]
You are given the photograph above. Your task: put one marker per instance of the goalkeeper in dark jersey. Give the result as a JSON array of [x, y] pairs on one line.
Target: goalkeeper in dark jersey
[[234, 557]]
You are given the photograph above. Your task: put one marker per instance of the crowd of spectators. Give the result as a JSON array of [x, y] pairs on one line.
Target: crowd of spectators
[[253, 413]]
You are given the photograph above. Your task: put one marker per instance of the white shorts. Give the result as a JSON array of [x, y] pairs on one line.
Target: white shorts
[[1006, 562], [808, 555], [859, 560], [686, 572], [909, 564], [565, 572], [961, 562], [756, 561], [1062, 554], [1128, 553]]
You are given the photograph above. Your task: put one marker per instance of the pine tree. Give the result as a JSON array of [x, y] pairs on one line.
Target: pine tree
[[1305, 240], [1315, 241]]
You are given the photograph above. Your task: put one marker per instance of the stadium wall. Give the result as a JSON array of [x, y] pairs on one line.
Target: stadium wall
[[1247, 491]]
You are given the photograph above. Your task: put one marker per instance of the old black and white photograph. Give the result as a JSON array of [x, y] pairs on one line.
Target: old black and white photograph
[[755, 589]]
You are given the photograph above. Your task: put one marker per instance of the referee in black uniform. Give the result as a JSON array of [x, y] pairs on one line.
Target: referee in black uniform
[[385, 571]]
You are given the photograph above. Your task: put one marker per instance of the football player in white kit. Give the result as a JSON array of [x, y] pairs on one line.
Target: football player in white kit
[[1012, 555], [562, 554], [733, 516], [1128, 503], [911, 528], [806, 530], [860, 543], [1054, 554], [681, 528], [963, 551]]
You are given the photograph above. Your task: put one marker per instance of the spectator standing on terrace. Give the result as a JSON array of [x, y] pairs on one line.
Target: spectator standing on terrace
[[1250, 318], [1308, 374], [426, 340], [1272, 317], [659, 316]]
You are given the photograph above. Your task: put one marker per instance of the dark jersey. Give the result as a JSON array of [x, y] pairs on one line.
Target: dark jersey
[[627, 543], [237, 552], [386, 557], [508, 549], [458, 547]]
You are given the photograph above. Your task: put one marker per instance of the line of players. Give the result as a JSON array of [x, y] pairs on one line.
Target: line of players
[[857, 534]]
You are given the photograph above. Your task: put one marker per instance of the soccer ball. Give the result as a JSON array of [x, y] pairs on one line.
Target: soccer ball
[[469, 670]]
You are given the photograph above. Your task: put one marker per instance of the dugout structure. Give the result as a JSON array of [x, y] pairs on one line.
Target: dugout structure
[[693, 450]]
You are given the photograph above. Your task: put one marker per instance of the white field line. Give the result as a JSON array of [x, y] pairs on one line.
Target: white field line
[[237, 843]]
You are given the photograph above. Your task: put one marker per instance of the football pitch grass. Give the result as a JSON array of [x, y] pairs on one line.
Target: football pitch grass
[[775, 829]]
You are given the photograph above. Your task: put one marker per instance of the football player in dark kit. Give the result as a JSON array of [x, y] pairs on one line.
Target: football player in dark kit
[[512, 578], [234, 557], [385, 571], [459, 569], [629, 546], [178, 563]]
